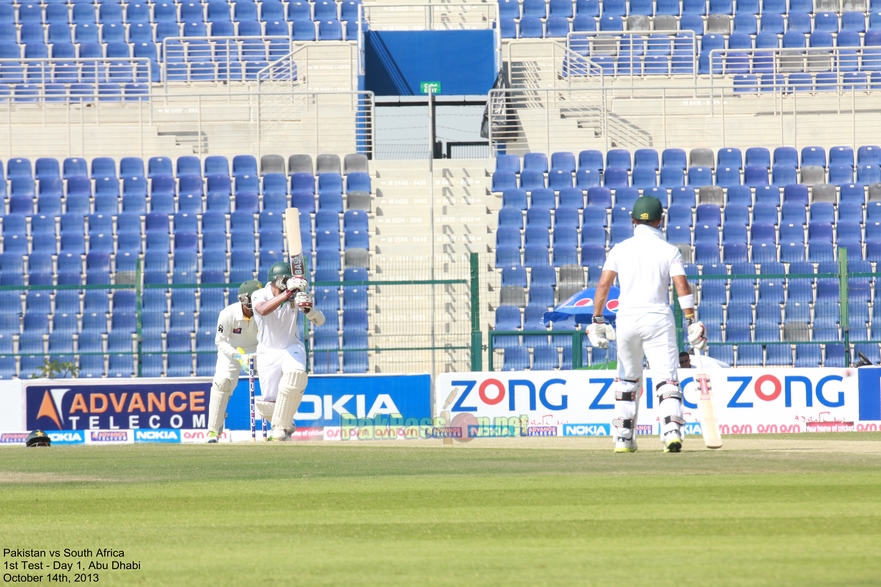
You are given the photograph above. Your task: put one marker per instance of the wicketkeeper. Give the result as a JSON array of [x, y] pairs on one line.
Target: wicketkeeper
[[236, 332], [280, 352], [644, 265]]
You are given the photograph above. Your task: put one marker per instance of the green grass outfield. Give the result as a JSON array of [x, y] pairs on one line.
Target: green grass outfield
[[765, 510]]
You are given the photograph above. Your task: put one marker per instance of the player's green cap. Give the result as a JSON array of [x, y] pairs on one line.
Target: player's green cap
[[647, 208]]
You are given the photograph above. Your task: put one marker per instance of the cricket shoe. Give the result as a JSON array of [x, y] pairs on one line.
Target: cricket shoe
[[672, 442], [625, 444], [279, 434], [213, 437]]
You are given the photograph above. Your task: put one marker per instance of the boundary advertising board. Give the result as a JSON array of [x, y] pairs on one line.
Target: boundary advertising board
[[581, 403], [175, 410]]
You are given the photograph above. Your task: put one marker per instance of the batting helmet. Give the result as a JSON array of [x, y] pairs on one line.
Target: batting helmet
[[37, 438], [279, 270]]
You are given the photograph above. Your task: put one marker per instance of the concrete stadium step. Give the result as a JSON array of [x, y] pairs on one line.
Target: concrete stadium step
[[418, 266], [420, 361], [391, 225]]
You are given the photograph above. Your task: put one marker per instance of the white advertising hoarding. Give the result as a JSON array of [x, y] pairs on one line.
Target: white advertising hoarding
[[581, 403]]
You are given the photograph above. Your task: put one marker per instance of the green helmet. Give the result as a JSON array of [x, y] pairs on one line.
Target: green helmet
[[279, 270], [647, 208], [38, 438], [245, 291]]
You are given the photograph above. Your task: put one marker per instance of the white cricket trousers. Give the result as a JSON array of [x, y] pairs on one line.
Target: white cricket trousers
[[226, 368], [272, 363], [649, 335]]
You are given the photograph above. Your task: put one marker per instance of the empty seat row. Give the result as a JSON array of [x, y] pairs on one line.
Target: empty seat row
[[700, 157], [164, 12], [753, 176], [167, 203], [595, 8], [850, 197], [187, 165]]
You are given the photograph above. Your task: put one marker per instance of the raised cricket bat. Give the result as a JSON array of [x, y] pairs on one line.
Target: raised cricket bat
[[709, 426], [295, 244]]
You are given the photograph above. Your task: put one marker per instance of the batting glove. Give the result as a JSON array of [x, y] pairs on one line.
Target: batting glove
[[697, 335], [296, 284], [304, 301], [599, 333]]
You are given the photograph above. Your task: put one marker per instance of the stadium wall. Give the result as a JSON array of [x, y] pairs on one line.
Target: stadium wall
[[397, 62]]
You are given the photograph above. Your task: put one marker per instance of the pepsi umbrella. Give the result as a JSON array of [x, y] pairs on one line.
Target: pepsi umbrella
[[580, 307]]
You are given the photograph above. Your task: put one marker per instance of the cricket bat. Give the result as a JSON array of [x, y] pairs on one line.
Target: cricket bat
[[709, 426], [295, 244]]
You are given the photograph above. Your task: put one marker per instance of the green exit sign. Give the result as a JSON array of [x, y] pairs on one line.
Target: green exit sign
[[433, 87]]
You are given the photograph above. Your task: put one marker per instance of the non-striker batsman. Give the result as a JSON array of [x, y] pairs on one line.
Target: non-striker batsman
[[281, 356], [235, 330], [644, 265]]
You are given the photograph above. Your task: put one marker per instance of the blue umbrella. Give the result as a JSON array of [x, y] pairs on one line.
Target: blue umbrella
[[580, 306]]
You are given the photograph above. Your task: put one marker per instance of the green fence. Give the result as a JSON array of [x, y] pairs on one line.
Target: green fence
[[806, 316], [423, 322], [418, 317]]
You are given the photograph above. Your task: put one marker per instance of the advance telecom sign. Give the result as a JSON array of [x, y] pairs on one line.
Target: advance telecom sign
[[153, 408], [74, 405]]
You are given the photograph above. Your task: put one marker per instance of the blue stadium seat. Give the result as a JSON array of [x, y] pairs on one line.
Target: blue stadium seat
[[700, 176], [672, 177], [736, 215]]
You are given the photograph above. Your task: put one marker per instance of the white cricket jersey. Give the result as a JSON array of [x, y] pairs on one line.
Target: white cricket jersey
[[278, 329], [235, 330], [644, 263]]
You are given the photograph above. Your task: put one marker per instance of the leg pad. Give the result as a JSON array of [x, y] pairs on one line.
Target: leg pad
[[670, 407], [264, 409], [290, 394], [626, 407], [222, 384], [221, 390]]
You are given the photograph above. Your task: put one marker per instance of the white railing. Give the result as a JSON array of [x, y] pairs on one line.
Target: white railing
[[219, 59], [193, 123], [542, 64], [831, 63], [568, 118], [53, 74], [623, 53], [325, 66]]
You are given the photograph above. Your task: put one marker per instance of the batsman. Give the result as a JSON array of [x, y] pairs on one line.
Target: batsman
[[644, 265], [236, 337], [281, 355]]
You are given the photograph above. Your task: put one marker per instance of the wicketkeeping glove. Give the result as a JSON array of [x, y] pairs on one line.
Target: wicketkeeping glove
[[697, 335], [304, 301], [599, 333], [242, 358]]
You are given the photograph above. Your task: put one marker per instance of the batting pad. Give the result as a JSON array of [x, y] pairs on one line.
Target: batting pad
[[290, 394], [264, 409]]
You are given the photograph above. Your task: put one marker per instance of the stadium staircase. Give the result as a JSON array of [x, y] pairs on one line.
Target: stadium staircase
[[465, 215]]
